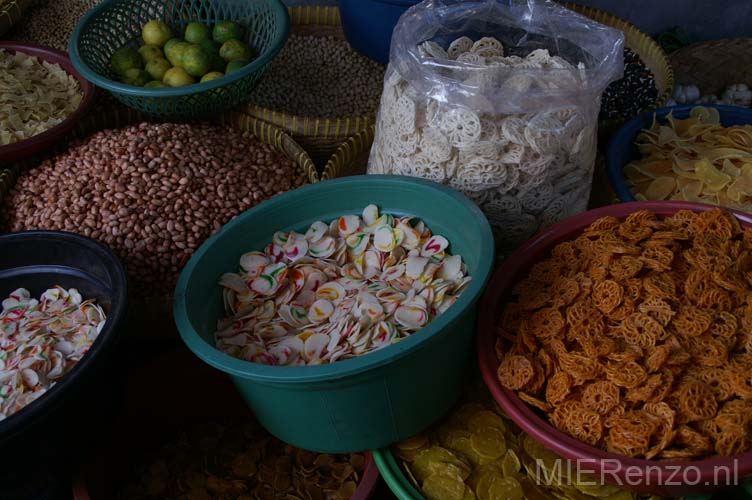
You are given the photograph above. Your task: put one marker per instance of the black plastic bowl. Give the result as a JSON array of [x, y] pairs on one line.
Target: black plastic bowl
[[46, 429]]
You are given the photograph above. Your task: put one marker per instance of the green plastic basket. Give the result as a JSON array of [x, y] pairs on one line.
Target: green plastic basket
[[361, 403], [116, 23]]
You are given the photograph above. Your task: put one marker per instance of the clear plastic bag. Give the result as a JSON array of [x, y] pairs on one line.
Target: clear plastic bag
[[498, 99]]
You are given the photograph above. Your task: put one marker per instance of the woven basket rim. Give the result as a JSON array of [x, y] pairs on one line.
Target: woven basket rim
[[348, 151], [302, 15], [630, 30]]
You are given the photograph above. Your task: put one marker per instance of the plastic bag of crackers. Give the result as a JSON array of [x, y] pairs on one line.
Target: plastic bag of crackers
[[477, 452], [499, 101]]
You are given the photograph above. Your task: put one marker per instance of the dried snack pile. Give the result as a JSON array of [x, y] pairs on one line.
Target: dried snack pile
[[35, 96], [342, 289], [41, 340], [152, 192], [694, 159], [526, 169], [239, 461], [636, 337], [478, 453]]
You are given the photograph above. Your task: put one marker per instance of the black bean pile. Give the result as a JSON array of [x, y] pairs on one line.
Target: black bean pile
[[635, 92]]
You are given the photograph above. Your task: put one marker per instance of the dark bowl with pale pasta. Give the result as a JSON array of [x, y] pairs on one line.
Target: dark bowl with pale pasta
[[623, 151]]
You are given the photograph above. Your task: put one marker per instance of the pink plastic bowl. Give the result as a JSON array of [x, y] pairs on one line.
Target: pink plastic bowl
[[642, 476], [38, 143]]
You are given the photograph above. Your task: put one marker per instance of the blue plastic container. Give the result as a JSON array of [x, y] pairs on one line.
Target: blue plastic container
[[368, 24], [622, 149], [362, 403]]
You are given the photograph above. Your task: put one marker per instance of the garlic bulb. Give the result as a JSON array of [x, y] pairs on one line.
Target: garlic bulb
[[686, 94], [738, 94]]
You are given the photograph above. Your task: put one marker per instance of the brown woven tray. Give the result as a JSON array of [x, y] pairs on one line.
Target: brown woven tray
[[319, 136], [152, 316], [714, 65]]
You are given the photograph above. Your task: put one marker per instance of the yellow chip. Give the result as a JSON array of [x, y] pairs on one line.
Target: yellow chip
[[486, 418], [463, 446], [469, 495], [510, 464], [691, 191], [506, 488], [422, 465], [730, 169], [483, 486], [416, 442], [459, 471], [489, 442], [406, 468], [438, 487], [660, 189], [479, 472], [710, 175]]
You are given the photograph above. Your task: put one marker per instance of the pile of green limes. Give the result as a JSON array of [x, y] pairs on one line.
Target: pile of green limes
[[165, 60]]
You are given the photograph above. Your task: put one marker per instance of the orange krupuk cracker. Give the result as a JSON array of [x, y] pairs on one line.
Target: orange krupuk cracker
[[636, 337]]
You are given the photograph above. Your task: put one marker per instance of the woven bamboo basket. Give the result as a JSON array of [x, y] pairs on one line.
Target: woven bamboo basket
[[152, 316], [351, 157], [319, 136], [12, 11], [714, 65], [649, 51]]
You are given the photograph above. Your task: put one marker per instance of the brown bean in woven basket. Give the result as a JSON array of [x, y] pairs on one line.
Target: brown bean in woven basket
[[319, 136], [12, 11], [714, 65], [152, 316]]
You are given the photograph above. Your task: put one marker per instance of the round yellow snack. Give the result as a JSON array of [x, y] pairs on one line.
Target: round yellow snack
[[489, 442], [506, 488], [438, 487]]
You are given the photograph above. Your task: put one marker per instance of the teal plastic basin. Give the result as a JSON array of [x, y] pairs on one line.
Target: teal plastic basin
[[356, 404]]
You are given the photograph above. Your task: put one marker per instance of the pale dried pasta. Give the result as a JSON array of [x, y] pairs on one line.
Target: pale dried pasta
[[35, 96], [526, 170]]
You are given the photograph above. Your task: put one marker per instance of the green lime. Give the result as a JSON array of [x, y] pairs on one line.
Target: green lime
[[174, 51], [155, 85], [156, 33], [210, 46], [234, 49], [196, 62], [135, 76], [225, 30], [157, 68], [125, 58], [197, 33], [235, 65], [211, 76], [177, 77], [150, 52]]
